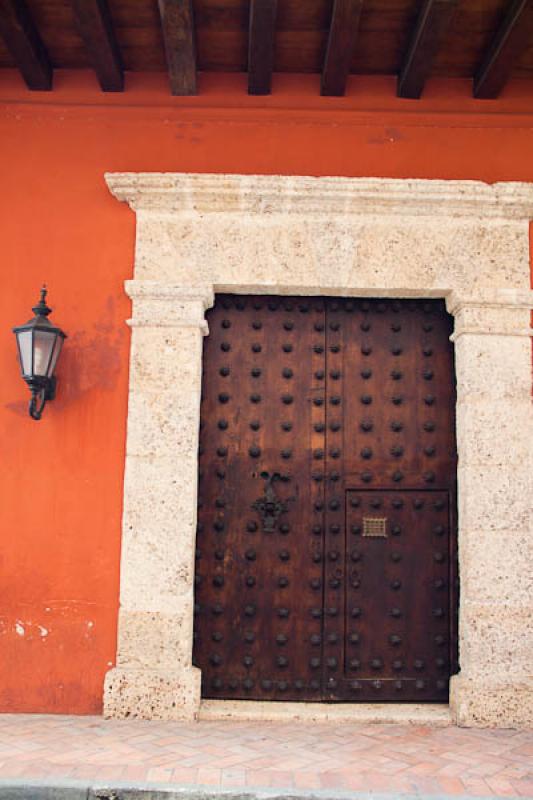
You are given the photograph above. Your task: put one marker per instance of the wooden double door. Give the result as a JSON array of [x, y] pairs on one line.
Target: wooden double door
[[326, 544]]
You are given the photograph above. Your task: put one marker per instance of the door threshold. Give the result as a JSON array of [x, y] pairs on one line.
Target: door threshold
[[434, 714]]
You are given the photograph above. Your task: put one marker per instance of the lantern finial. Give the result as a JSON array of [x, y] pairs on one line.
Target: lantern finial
[[41, 309]]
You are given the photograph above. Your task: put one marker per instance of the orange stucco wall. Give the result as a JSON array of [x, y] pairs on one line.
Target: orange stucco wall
[[61, 478]]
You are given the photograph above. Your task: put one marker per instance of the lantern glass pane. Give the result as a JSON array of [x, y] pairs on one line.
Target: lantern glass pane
[[25, 351], [43, 345], [55, 355]]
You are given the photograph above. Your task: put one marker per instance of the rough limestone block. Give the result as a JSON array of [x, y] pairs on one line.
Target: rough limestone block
[[481, 703], [156, 355], [493, 497], [496, 366], [495, 566], [154, 640], [149, 694], [496, 641], [495, 434], [163, 423]]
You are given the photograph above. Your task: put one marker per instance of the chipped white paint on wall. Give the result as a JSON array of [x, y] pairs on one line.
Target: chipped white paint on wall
[[29, 629]]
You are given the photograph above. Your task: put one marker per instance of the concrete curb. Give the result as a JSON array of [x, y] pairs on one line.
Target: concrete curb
[[94, 790]]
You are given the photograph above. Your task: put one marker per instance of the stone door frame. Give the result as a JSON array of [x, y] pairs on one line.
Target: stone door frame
[[464, 241]]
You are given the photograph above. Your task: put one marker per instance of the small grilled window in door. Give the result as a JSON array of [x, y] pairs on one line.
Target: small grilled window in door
[[375, 527]]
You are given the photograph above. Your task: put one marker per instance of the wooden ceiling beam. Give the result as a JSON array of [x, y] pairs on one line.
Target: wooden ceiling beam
[[96, 29], [23, 41], [261, 36], [510, 41], [430, 27], [341, 43], [177, 22]]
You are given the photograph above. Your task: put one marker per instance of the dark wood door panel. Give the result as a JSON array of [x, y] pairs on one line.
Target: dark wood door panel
[[393, 375], [306, 404], [259, 579], [390, 425], [397, 595]]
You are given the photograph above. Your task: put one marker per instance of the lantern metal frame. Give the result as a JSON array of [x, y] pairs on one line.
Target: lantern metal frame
[[42, 384]]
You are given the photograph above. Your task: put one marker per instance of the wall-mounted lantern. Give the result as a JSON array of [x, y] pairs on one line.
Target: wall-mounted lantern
[[39, 345]]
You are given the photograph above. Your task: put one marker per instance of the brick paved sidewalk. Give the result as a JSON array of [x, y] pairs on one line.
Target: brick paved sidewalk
[[230, 754]]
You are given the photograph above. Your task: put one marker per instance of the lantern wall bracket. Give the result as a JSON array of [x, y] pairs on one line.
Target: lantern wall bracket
[[39, 397]]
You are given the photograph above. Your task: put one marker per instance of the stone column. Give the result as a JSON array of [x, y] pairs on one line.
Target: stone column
[[494, 438], [154, 677]]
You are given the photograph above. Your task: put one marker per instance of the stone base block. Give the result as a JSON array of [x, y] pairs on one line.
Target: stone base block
[[148, 694], [476, 703]]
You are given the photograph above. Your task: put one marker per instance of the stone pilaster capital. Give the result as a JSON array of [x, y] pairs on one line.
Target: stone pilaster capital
[[168, 305], [496, 312]]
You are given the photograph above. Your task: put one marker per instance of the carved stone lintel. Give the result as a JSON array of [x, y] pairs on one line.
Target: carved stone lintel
[[271, 194]]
